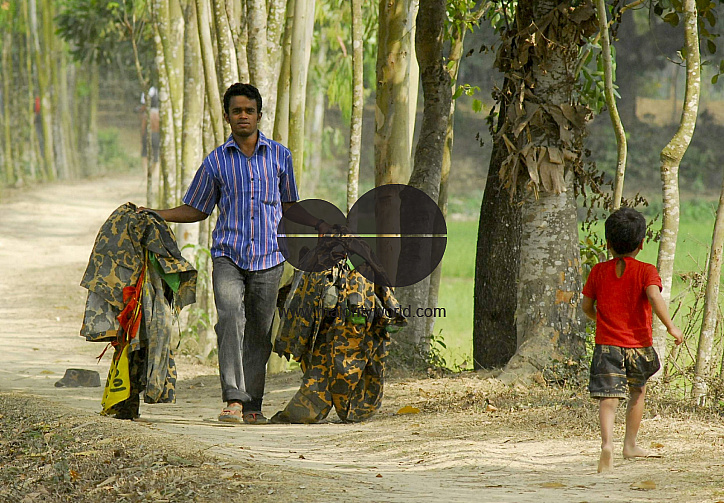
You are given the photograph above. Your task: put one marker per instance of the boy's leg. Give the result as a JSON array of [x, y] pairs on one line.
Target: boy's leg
[[634, 413], [641, 363], [606, 417]]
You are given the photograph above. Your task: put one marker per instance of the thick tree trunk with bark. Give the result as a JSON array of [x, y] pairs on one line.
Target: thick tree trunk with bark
[[671, 157], [540, 138], [497, 264]]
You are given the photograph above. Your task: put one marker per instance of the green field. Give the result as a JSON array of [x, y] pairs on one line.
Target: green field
[[456, 290]]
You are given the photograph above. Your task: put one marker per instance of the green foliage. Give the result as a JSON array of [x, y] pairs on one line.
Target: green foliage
[[462, 16], [500, 15], [672, 13], [102, 30], [591, 75]]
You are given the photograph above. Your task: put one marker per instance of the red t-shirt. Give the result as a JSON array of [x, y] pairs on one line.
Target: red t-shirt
[[623, 311]]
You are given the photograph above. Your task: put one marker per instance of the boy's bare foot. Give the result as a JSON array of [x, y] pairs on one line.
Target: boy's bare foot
[[605, 462], [638, 452]]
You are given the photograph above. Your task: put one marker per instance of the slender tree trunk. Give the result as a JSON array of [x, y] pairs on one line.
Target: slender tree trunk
[[42, 66], [213, 98], [671, 157], [355, 127], [300, 54], [426, 174], [281, 117], [393, 139], [258, 56], [169, 25], [228, 62], [33, 147], [274, 38], [621, 142], [704, 370], [453, 65], [314, 122], [7, 71], [91, 140], [167, 143], [68, 132]]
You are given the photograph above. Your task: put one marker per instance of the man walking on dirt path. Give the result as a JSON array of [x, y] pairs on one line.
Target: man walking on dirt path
[[251, 180]]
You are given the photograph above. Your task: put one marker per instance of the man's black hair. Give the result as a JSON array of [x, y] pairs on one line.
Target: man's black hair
[[239, 89], [625, 229]]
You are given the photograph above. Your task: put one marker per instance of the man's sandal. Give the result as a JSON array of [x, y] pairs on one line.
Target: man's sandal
[[231, 414]]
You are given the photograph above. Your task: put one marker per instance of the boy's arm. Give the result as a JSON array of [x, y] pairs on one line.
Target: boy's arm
[[589, 307], [662, 311]]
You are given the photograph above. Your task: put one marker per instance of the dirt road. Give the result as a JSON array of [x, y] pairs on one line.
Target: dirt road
[[538, 445]]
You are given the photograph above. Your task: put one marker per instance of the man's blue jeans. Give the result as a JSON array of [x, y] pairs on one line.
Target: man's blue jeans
[[245, 303]]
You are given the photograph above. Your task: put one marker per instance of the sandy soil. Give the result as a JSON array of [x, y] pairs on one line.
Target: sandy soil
[[535, 445]]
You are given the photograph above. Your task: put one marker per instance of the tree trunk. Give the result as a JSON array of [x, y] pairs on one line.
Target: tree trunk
[[497, 265], [671, 157], [393, 138], [281, 117], [33, 147], [228, 62], [7, 71], [67, 131], [258, 57], [621, 142], [213, 98], [429, 152], [91, 140], [704, 370], [355, 127], [169, 26], [274, 38], [300, 53], [453, 65], [539, 146], [42, 65], [314, 124]]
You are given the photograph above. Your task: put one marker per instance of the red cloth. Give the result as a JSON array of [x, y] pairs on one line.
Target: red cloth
[[623, 311], [130, 317]]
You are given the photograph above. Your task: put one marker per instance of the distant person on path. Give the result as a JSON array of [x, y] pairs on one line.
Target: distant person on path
[[619, 296], [150, 121], [251, 180]]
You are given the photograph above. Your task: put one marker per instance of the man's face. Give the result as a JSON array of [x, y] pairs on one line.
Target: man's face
[[243, 116]]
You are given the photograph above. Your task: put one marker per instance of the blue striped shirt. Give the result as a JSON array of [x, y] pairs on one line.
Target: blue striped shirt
[[249, 192]]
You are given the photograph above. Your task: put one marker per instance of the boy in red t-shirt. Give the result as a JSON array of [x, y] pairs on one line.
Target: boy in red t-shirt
[[619, 296]]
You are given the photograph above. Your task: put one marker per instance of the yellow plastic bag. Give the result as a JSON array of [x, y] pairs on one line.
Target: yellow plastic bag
[[118, 384]]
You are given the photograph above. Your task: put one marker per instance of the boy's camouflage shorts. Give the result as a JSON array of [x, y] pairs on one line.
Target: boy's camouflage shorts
[[615, 369]]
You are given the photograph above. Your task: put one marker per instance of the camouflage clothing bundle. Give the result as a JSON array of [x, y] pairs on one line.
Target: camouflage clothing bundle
[[125, 242], [335, 323]]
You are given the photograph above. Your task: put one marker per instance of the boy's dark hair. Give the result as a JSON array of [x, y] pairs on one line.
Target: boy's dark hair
[[239, 89], [625, 229]]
